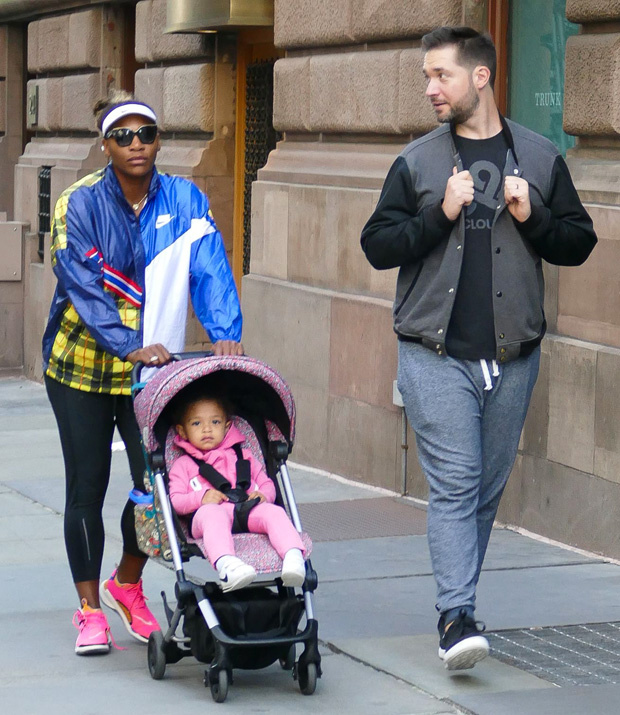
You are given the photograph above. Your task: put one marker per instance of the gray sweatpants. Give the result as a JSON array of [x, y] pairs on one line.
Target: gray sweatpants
[[467, 438]]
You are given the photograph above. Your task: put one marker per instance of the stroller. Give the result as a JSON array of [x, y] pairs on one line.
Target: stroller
[[258, 625]]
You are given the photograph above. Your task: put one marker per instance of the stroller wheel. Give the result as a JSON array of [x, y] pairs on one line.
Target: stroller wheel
[[219, 688], [156, 655], [288, 663], [306, 675]]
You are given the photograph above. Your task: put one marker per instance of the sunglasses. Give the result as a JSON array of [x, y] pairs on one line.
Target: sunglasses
[[124, 136]]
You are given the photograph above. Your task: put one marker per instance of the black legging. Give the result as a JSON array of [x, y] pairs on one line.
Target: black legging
[[86, 422]]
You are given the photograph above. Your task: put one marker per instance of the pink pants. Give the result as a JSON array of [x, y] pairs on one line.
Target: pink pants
[[213, 524]]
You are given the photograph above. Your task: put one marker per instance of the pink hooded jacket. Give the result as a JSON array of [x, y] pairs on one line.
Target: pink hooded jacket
[[187, 487]]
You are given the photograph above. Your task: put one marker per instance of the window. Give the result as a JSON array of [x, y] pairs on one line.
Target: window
[[537, 34], [45, 174]]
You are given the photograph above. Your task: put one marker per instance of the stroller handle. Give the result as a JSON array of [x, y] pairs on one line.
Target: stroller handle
[[137, 368]]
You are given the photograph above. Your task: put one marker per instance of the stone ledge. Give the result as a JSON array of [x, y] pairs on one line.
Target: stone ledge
[[597, 180], [191, 157], [70, 152], [330, 164], [324, 292]]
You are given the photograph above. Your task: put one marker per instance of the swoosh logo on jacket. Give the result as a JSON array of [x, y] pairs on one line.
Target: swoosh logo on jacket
[[162, 220]]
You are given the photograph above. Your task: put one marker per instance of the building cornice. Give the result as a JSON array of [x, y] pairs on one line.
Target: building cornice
[[13, 10]]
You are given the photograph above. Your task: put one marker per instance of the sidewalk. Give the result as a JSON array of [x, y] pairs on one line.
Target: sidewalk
[[374, 605]]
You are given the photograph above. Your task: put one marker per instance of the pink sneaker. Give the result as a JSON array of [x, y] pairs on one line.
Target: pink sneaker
[[129, 602], [94, 636]]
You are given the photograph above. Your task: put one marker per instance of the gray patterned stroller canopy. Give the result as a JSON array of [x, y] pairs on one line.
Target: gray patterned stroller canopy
[[252, 386]]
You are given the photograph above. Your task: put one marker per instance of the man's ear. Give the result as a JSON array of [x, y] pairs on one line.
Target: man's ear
[[481, 76]]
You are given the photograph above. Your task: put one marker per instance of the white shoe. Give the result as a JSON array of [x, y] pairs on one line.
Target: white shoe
[[234, 573], [465, 654], [461, 645], [293, 569]]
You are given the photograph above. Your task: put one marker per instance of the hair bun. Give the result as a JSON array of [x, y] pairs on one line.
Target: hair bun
[[115, 96]]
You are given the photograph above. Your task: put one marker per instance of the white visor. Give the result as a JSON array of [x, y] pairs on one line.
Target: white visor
[[124, 110]]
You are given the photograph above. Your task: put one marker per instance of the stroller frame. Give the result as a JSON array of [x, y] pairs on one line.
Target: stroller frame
[[167, 647]]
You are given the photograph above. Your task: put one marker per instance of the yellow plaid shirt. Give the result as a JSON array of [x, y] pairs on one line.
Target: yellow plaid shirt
[[76, 359]]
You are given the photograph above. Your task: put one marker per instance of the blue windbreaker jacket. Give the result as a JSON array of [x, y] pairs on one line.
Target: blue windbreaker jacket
[[124, 281]]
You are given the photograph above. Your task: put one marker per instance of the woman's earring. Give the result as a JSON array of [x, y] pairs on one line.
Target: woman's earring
[[102, 148]]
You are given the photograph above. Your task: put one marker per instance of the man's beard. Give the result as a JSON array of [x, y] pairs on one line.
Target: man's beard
[[460, 113]]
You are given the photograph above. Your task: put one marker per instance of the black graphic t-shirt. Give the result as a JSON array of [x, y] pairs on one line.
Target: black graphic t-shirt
[[471, 332]]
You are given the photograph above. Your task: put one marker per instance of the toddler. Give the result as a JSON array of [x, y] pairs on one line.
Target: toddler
[[224, 488]]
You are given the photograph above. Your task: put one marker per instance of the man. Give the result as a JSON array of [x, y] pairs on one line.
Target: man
[[467, 212]]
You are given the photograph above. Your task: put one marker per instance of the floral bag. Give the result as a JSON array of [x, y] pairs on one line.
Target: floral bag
[[149, 519]]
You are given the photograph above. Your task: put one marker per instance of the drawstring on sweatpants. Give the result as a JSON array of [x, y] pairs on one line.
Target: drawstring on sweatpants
[[486, 373]]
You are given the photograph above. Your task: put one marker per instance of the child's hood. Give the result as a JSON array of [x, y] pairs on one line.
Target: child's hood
[[233, 436]]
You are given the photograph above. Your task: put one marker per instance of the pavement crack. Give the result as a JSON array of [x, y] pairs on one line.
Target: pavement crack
[[424, 574], [338, 651], [30, 499]]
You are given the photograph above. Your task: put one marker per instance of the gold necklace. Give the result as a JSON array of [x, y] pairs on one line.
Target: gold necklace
[[135, 207]]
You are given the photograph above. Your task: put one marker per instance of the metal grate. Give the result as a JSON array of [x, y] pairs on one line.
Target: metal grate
[[361, 519], [45, 174], [260, 138], [587, 654]]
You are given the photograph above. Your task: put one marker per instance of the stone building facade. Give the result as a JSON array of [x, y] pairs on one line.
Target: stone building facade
[[347, 96]]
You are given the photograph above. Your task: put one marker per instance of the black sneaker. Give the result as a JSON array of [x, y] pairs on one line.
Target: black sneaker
[[461, 646]]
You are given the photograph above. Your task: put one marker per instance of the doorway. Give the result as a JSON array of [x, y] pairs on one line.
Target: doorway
[[255, 136]]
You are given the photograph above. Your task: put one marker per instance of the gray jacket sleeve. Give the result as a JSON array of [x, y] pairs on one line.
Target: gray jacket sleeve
[[398, 232]]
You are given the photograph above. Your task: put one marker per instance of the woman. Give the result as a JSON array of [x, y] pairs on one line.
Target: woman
[[128, 246]]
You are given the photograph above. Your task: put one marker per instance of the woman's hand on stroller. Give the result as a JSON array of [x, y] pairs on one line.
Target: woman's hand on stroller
[[213, 496], [228, 347], [155, 354], [257, 495]]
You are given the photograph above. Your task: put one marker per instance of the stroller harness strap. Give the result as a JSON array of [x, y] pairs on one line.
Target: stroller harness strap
[[238, 494]]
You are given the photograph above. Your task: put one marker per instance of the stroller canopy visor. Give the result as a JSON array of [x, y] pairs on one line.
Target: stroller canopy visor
[[250, 385]]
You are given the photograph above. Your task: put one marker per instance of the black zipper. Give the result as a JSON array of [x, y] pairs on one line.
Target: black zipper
[[411, 287]]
